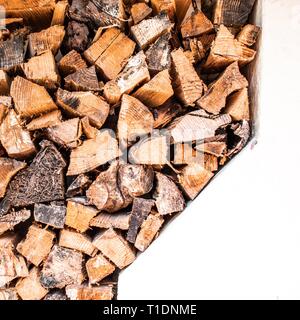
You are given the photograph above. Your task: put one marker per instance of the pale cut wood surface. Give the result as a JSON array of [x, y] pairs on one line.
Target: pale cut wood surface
[[89, 293], [99, 268]]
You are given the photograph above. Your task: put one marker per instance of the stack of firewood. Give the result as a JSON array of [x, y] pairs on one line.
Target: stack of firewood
[[113, 114]]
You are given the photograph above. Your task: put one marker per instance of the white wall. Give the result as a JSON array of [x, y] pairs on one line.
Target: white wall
[[241, 237]]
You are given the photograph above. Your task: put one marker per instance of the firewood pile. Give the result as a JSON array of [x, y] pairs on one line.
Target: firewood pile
[[113, 115]]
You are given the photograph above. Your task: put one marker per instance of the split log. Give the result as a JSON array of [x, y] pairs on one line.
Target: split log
[[89, 131], [98, 268], [9, 221], [89, 293], [78, 186], [159, 54], [30, 288], [83, 104], [3, 111], [83, 80], [42, 70], [150, 151], [30, 99], [141, 208], [139, 12], [77, 36], [15, 140], [76, 241], [67, 133], [193, 179], [48, 39], [59, 13], [193, 126], [134, 74], [62, 267], [37, 244], [5, 82], [166, 113], [11, 22], [149, 231], [243, 132], [79, 216], [248, 35], [232, 12], [157, 91], [135, 120], [12, 53], [238, 105], [110, 53], [182, 7], [56, 295], [231, 80], [168, 6], [47, 120], [226, 50], [188, 86], [53, 214], [42, 181], [107, 220], [5, 102], [8, 294], [105, 193], [196, 25], [215, 148], [93, 153], [147, 31], [115, 248], [200, 46], [168, 198], [71, 63], [9, 168]]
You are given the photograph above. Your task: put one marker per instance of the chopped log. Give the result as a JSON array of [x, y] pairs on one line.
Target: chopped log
[[83, 80], [139, 12], [89, 293], [182, 7], [98, 268], [62, 267], [166, 113], [150, 151], [105, 193], [47, 120], [159, 54], [78, 186], [168, 198], [200, 46], [77, 36], [16, 141], [248, 35], [238, 105], [5, 82], [76, 241], [9, 168], [12, 52], [53, 215], [48, 39], [59, 13], [231, 80], [135, 120], [93, 153], [9, 221], [168, 6], [232, 12], [42, 70], [83, 104], [193, 179], [188, 86], [193, 126], [215, 148], [3, 112], [115, 248], [42, 181], [134, 74], [9, 239], [11, 22], [67, 133], [89, 131], [107, 220], [30, 288], [141, 208], [135, 180], [8, 294], [196, 25], [157, 91], [6, 102], [56, 295], [149, 231], [71, 63], [147, 31], [30, 99], [243, 132], [226, 50], [79, 216], [37, 245], [110, 53]]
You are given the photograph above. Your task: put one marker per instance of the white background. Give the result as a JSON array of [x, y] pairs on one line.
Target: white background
[[241, 238]]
